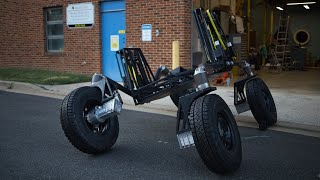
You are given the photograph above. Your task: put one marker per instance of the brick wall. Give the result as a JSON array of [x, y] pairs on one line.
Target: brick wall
[[22, 35], [172, 18], [22, 38]]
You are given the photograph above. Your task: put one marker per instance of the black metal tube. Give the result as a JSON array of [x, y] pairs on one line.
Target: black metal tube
[[119, 66], [126, 65], [231, 49], [134, 68], [201, 33], [205, 26], [146, 64]]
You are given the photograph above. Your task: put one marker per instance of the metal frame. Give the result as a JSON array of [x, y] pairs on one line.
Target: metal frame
[[144, 87], [139, 81]]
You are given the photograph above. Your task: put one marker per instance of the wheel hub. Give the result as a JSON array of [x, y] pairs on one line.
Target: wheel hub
[[99, 114], [96, 128], [225, 132]]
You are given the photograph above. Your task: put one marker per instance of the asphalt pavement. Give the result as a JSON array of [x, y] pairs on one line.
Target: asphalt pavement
[[298, 111], [33, 146]]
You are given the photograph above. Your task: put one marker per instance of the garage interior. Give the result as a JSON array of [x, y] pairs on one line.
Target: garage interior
[[279, 39]]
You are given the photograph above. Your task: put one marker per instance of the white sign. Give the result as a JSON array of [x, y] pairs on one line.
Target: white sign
[[146, 32], [80, 15], [114, 42], [236, 40]]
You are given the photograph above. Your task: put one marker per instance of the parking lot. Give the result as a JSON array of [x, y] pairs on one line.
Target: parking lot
[[33, 146]]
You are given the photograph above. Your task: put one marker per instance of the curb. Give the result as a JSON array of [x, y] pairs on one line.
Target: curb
[[31, 89], [6, 85], [282, 126]]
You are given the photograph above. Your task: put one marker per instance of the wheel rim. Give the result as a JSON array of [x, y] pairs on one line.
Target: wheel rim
[[225, 132], [97, 129]]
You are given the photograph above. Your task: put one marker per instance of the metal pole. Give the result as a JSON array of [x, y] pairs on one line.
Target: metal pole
[[271, 26], [265, 23], [248, 11], [175, 54], [264, 29]]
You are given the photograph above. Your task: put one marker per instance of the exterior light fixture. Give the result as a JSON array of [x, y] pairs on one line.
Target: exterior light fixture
[[306, 6], [302, 3], [280, 8]]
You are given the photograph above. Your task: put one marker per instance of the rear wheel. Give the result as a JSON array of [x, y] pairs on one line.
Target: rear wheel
[[215, 134], [261, 103], [88, 138]]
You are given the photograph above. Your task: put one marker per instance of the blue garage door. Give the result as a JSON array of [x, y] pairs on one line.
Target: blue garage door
[[113, 17]]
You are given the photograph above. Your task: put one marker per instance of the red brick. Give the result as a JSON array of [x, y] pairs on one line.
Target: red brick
[[22, 39], [22, 35]]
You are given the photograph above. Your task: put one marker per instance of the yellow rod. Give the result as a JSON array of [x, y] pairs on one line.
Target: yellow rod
[[215, 47], [249, 12], [271, 26], [175, 54], [216, 30], [235, 69], [132, 72]]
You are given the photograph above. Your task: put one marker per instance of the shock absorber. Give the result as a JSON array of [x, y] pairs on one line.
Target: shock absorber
[[200, 78], [246, 67], [110, 108]]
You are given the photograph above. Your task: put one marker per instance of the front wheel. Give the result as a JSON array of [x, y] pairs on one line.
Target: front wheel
[[261, 103], [88, 138], [215, 134]]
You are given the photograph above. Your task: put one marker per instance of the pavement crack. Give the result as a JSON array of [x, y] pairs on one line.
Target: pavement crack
[[44, 88], [10, 86], [254, 137]]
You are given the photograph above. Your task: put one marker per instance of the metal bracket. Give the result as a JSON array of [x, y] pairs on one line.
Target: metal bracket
[[185, 139], [240, 100], [98, 80], [246, 67], [183, 130]]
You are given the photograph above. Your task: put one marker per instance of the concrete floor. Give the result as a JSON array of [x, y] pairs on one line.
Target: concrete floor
[[294, 81], [307, 81], [296, 95]]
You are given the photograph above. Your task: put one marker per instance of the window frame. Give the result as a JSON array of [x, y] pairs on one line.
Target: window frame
[[50, 37]]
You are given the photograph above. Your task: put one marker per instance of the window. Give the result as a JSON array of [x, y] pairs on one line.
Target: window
[[54, 29]]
